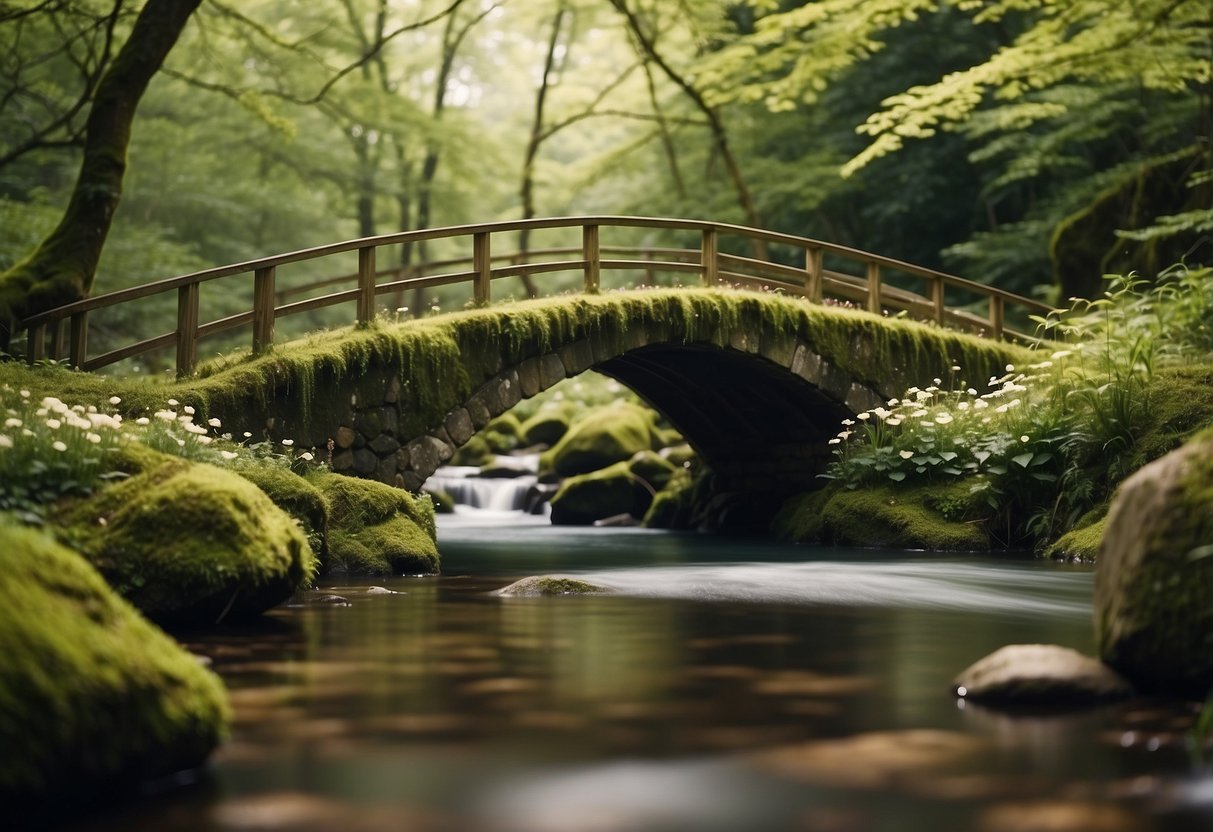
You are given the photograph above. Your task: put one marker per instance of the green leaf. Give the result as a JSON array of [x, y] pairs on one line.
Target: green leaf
[[1022, 460], [897, 476]]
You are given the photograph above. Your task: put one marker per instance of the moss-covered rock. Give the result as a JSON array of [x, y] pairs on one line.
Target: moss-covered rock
[[673, 507], [680, 455], [1083, 541], [878, 516], [652, 469], [474, 452], [298, 498], [1154, 580], [191, 543], [92, 696], [607, 435], [549, 585], [585, 498], [375, 529], [547, 427], [443, 502]]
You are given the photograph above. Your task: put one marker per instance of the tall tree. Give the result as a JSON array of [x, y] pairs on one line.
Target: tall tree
[[64, 265]]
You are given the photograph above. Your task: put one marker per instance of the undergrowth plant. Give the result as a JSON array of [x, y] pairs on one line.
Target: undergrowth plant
[[50, 450], [1040, 447]]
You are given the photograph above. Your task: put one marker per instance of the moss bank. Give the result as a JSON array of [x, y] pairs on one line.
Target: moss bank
[[605, 436], [375, 529], [191, 543], [92, 696]]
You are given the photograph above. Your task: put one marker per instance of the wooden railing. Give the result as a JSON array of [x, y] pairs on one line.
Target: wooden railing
[[63, 332]]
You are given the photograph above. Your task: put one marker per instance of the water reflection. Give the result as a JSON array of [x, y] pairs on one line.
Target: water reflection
[[788, 694]]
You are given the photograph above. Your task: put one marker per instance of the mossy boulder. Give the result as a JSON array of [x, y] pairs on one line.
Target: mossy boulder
[[93, 698], [1154, 579], [547, 427], [297, 497], [538, 585], [375, 529], [652, 469], [189, 543], [1081, 542], [474, 452], [673, 507], [585, 498], [606, 435], [881, 517]]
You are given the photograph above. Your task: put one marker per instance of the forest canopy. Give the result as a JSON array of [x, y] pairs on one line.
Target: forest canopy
[[1032, 144]]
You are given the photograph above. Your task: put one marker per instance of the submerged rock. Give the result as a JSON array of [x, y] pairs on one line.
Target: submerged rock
[[92, 696], [549, 585], [1039, 674], [1154, 579]]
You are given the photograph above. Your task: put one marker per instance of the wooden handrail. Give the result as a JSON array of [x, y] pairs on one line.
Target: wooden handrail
[[869, 289]]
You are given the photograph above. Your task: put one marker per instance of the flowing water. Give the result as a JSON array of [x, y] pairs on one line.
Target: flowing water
[[723, 685]]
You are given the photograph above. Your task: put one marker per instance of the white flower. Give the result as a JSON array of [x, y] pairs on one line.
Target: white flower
[[307, 456], [894, 402], [173, 402], [25, 394], [59, 446], [863, 417], [923, 395], [228, 454], [980, 404], [1060, 354], [205, 440], [247, 435], [12, 423], [1002, 408], [894, 421], [971, 391], [213, 422], [188, 409], [956, 368], [918, 414], [143, 420], [905, 454], [835, 441], [1023, 438], [53, 424], [288, 442], [938, 380], [93, 437], [1014, 403], [6, 441], [962, 405], [180, 443], [1010, 368], [943, 418], [115, 400], [911, 391], [166, 415], [848, 422]]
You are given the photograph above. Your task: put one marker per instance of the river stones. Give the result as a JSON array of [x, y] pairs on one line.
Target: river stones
[[537, 585], [1154, 578], [1039, 674]]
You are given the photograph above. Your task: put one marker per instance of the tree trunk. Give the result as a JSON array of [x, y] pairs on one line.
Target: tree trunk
[[64, 265]]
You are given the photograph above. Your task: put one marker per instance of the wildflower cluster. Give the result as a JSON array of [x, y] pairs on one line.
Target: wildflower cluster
[[50, 450]]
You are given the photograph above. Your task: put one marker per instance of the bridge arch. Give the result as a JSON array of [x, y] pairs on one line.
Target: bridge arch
[[756, 382]]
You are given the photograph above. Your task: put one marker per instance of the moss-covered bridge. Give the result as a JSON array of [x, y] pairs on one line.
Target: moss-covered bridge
[[756, 380], [757, 383]]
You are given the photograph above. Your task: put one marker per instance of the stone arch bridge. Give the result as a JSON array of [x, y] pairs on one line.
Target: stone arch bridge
[[757, 383]]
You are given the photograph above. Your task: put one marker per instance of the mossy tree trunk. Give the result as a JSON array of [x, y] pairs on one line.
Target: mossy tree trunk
[[62, 268]]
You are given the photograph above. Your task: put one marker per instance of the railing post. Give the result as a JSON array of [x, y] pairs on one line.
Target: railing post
[[265, 298], [35, 343], [482, 264], [874, 288], [996, 317], [813, 259], [187, 329], [58, 339], [708, 260], [937, 307], [366, 285], [79, 339], [592, 254]]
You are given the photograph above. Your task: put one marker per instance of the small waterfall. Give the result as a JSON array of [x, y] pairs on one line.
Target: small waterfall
[[468, 488]]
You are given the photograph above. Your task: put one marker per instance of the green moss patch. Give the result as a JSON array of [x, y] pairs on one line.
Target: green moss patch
[[92, 696], [375, 529], [298, 498], [546, 427], [191, 543], [607, 435], [585, 498], [673, 507], [549, 585], [879, 516]]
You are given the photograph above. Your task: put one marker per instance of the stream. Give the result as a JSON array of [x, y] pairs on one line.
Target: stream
[[725, 684]]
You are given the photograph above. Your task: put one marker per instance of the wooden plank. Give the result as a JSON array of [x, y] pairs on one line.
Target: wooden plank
[[937, 307], [366, 285], [130, 351], [997, 316], [58, 339], [187, 329], [591, 251], [708, 260], [264, 301], [35, 344], [79, 339], [814, 259], [873, 288], [482, 265]]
